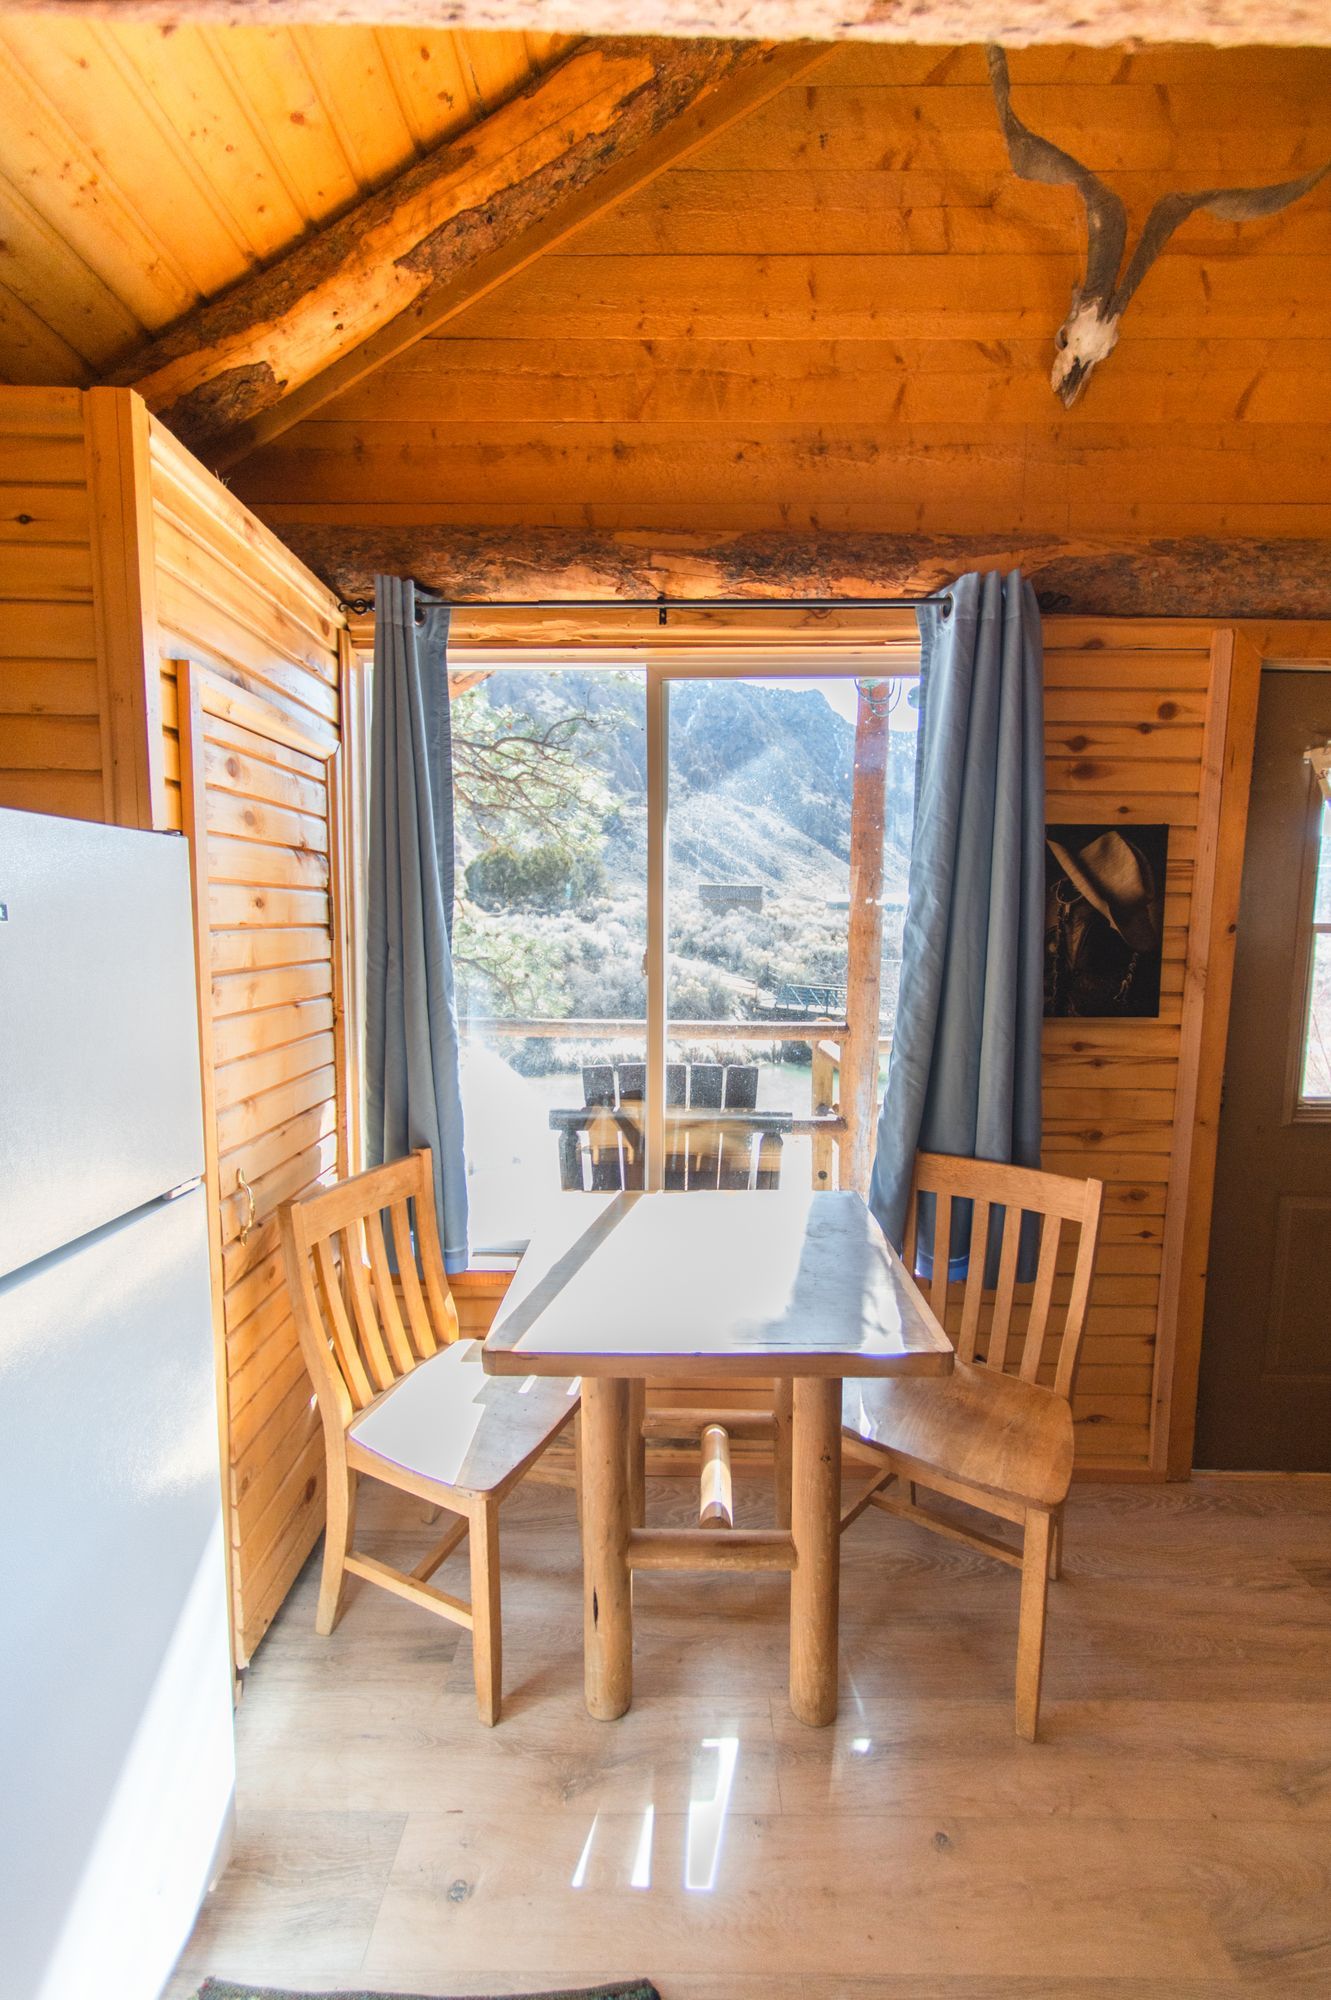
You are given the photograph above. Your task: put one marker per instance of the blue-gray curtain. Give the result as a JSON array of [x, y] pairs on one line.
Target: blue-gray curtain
[[964, 1074], [413, 1088]]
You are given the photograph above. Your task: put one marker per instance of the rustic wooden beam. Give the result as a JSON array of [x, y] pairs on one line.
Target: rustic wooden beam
[[1181, 578], [1099, 23], [580, 139]]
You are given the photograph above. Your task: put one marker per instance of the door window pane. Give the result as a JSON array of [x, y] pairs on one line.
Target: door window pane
[[1322, 896], [1317, 1046], [549, 932]]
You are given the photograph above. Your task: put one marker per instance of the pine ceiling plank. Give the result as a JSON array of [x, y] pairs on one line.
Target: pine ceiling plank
[[184, 94], [578, 140], [48, 275], [53, 161], [993, 298], [348, 69], [497, 63], [31, 351], [438, 90], [268, 73], [734, 385]]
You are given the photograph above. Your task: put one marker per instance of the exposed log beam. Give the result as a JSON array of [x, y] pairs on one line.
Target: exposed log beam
[[1099, 23], [598, 127], [1185, 578]]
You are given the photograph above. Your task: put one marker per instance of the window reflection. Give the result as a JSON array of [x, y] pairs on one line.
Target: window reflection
[[707, 1817], [641, 1878], [579, 1875]]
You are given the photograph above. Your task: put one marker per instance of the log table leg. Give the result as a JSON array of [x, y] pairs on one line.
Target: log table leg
[[607, 1602], [815, 1586]]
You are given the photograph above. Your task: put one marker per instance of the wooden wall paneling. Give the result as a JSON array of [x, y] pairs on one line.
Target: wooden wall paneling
[[125, 604], [54, 746], [353, 825], [276, 1062]]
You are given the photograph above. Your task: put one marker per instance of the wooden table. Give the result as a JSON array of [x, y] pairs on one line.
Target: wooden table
[[788, 1284]]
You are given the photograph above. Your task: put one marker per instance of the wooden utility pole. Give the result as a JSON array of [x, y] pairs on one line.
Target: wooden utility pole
[[864, 968]]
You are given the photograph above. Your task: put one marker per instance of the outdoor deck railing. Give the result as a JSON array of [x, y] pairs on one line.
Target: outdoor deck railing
[[824, 1125]]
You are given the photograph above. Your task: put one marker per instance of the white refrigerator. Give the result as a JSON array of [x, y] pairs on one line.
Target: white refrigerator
[[116, 1722]]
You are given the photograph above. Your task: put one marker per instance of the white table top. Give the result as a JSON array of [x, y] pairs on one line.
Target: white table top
[[771, 1283]]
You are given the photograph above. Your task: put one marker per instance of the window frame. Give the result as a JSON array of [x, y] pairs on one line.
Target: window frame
[[668, 646]]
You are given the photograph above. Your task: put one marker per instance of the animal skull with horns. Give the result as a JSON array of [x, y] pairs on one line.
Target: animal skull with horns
[[1090, 331]]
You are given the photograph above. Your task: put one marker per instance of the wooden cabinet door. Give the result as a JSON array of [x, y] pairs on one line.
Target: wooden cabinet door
[[1264, 1399], [261, 810]]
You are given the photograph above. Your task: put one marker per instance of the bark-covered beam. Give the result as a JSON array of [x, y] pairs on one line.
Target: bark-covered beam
[[1182, 578], [579, 139], [1098, 23]]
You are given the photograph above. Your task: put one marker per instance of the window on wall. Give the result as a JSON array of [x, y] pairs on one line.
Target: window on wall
[[653, 914], [1313, 1060]]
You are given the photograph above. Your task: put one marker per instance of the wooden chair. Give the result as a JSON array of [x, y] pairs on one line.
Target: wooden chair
[[999, 1441], [404, 1398]]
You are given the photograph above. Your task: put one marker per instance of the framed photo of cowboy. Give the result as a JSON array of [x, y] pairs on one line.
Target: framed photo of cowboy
[[1104, 920]]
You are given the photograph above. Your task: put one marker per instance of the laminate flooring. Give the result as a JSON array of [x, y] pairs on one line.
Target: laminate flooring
[[1169, 1838]]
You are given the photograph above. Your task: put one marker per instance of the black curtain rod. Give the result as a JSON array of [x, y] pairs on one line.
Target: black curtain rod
[[664, 605]]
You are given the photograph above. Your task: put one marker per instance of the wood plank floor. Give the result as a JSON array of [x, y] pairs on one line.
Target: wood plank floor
[[1169, 1839]]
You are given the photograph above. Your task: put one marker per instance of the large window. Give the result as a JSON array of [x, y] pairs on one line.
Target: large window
[[657, 869]]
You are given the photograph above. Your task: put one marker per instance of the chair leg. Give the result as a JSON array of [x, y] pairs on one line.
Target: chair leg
[[577, 1465], [783, 1409], [338, 1530], [1030, 1628], [637, 1450], [1056, 1548], [486, 1634]]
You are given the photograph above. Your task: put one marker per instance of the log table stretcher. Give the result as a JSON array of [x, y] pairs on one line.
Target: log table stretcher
[[796, 1285]]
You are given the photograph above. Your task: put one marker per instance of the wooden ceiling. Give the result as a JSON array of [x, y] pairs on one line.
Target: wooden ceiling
[[144, 169], [839, 319]]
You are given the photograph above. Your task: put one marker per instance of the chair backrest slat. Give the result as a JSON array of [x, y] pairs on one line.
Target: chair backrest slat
[[369, 1332], [973, 1297], [1074, 1324], [418, 1317], [443, 1312], [1062, 1205], [942, 1254], [1006, 1292], [1037, 1321], [338, 1322], [385, 1295]]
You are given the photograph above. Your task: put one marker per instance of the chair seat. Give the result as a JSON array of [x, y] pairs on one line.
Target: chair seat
[[450, 1422], [976, 1426]]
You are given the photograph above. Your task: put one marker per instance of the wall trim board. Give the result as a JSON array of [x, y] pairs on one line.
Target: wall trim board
[[124, 603], [1205, 992]]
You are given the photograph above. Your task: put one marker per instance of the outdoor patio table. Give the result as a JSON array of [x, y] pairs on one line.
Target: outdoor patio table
[[713, 1286]]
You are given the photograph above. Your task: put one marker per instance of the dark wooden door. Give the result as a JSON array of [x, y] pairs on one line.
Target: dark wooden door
[[1265, 1397]]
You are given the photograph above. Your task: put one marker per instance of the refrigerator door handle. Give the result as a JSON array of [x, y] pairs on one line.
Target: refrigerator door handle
[[185, 1187]]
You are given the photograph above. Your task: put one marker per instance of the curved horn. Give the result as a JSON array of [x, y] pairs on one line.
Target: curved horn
[[1230, 204], [1037, 159]]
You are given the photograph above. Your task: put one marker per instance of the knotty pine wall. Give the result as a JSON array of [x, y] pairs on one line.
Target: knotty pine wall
[[55, 753], [119, 557], [840, 315]]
